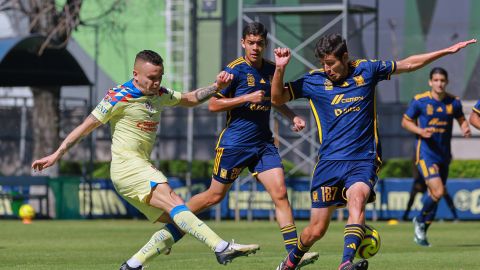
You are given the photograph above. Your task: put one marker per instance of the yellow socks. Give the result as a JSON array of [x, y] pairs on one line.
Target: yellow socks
[[190, 224], [160, 241]]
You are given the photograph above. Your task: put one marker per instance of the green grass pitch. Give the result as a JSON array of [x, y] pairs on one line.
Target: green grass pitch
[[105, 244]]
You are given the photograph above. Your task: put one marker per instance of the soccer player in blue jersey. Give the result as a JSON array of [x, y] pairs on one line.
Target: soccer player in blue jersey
[[342, 98], [475, 115], [419, 186], [133, 110], [430, 116]]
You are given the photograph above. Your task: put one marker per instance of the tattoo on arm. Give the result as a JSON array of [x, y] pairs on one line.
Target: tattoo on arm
[[70, 144], [205, 93]]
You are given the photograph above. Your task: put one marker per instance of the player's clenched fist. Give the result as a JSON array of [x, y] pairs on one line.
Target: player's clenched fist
[[256, 97], [427, 132], [298, 124], [282, 56], [224, 79]]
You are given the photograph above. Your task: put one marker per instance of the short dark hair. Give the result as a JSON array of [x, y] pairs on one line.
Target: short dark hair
[[331, 44], [438, 70], [150, 57], [256, 29]]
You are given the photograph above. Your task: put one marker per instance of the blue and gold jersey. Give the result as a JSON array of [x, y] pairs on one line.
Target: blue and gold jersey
[[345, 112], [247, 124], [476, 108], [429, 112]]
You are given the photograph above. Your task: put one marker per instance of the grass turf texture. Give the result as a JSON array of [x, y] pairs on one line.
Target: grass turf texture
[[105, 244]]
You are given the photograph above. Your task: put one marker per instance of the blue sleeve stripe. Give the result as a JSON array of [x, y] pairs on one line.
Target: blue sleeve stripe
[[178, 209], [176, 233], [153, 184]]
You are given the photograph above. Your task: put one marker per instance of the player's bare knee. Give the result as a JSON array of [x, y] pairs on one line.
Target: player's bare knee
[[356, 203], [438, 194], [214, 198], [315, 233], [280, 197]]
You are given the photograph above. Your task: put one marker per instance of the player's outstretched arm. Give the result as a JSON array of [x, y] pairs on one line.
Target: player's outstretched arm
[[413, 128], [225, 104], [87, 126], [298, 123], [417, 61], [475, 119], [200, 95], [465, 127], [280, 94]]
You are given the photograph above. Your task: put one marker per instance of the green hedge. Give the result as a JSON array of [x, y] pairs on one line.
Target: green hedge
[[405, 167], [203, 169], [175, 168]]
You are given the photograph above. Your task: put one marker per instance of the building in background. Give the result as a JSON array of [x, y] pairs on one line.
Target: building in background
[[197, 37]]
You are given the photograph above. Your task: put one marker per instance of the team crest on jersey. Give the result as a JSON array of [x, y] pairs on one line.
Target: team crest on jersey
[[328, 84], [315, 196], [149, 106], [250, 80], [449, 108], [359, 81], [429, 109]]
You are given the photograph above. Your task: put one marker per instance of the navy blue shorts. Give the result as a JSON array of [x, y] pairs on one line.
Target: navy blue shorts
[[429, 169], [229, 162], [332, 178]]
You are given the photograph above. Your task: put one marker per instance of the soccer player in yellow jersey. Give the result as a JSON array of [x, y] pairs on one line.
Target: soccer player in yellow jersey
[[133, 110]]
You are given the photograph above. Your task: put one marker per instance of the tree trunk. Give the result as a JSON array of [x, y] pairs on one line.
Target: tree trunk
[[46, 123]]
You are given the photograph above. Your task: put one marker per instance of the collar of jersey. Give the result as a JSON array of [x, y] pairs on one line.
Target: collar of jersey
[[250, 65], [132, 90]]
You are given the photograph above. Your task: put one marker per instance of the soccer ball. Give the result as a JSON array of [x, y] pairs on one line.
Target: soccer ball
[[370, 244], [26, 211]]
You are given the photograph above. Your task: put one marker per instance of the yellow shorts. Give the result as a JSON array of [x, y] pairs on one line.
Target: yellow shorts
[[133, 179]]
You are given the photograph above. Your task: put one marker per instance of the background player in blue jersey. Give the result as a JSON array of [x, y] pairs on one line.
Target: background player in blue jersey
[[430, 116], [475, 115], [342, 98], [419, 186], [247, 141]]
